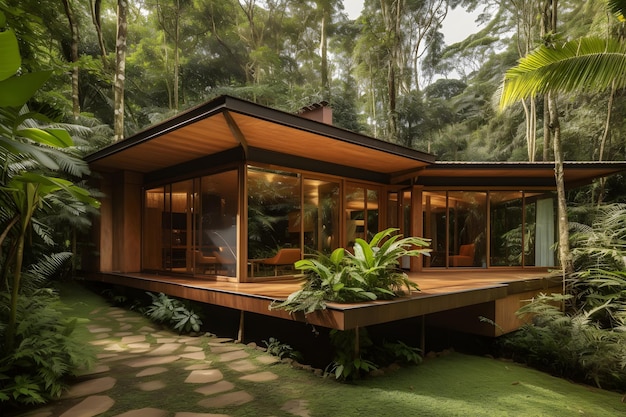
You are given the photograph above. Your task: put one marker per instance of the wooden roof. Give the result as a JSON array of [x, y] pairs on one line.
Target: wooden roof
[[227, 123], [514, 174]]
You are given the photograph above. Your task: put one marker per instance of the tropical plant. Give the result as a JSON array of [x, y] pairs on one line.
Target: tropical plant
[[371, 273], [28, 154], [46, 353], [281, 350], [570, 345], [174, 313], [348, 362]]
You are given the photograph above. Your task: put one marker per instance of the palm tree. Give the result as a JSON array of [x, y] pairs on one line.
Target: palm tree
[[586, 64]]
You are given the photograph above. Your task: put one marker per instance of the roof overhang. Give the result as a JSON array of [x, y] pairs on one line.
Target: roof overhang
[[226, 123], [514, 174]]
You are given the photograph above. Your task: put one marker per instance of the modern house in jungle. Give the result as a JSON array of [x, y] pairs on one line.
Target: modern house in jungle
[[217, 203]]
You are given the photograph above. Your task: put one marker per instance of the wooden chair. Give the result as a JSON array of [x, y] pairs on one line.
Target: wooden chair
[[226, 260], [285, 256], [203, 263], [465, 256]]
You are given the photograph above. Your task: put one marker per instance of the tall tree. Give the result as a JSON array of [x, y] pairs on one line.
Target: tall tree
[[71, 17], [586, 64], [120, 70]]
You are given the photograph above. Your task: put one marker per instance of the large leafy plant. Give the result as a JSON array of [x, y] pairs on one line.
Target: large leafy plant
[[372, 272]]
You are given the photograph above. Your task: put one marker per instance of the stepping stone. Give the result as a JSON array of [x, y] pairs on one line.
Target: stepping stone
[[126, 327], [234, 355], [90, 406], [192, 348], [163, 340], [187, 414], [133, 339], [105, 355], [224, 348], [130, 319], [145, 412], [267, 359], [115, 348], [159, 360], [102, 335], [139, 345], [98, 329], [297, 408], [216, 388], [225, 400], [220, 340], [122, 334], [92, 386], [194, 355], [243, 366], [97, 370], [166, 349], [260, 377], [204, 376], [187, 339], [146, 329], [152, 371], [100, 342], [152, 385], [197, 366], [95, 312]]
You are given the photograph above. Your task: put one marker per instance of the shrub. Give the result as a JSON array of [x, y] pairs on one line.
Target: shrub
[[45, 354], [371, 273], [173, 313], [281, 350], [571, 346]]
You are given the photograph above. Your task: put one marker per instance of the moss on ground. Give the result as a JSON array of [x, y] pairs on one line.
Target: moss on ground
[[450, 385]]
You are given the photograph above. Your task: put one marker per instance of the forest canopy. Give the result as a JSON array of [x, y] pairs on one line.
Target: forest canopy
[[387, 73]]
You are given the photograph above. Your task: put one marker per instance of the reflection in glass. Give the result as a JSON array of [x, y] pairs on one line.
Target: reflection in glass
[[467, 228], [361, 213], [540, 219], [274, 213], [507, 234], [216, 237], [434, 205], [321, 216]]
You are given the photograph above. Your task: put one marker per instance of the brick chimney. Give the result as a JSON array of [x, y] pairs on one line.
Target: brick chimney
[[320, 112]]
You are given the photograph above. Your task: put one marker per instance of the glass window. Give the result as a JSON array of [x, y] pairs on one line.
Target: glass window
[[467, 212], [540, 225], [435, 218], [190, 226], [361, 213], [215, 250], [167, 227], [321, 216], [274, 218], [506, 228]]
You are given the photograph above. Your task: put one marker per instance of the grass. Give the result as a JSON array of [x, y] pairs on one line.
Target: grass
[[450, 385]]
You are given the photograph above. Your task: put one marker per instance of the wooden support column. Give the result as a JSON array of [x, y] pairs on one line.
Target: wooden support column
[[241, 326], [126, 227]]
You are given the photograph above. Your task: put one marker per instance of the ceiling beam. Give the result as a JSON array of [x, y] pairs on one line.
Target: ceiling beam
[[237, 133]]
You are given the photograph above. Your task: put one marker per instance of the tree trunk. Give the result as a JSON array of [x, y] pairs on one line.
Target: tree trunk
[[565, 256], [95, 16], [120, 70], [605, 135], [74, 57], [324, 55]]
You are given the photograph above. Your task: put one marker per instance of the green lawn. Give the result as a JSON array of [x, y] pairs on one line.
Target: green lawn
[[450, 385]]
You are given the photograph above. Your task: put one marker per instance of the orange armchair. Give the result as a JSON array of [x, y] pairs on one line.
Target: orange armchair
[[285, 256], [465, 256]]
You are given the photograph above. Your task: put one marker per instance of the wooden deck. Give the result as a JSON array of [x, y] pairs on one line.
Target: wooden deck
[[446, 295]]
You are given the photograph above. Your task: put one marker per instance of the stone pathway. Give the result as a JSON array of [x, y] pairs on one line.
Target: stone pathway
[[138, 360]]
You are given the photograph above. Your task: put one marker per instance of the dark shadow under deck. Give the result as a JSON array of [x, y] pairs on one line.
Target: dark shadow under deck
[[440, 291]]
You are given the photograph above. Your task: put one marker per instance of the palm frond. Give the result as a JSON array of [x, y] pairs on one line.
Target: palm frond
[[587, 64]]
